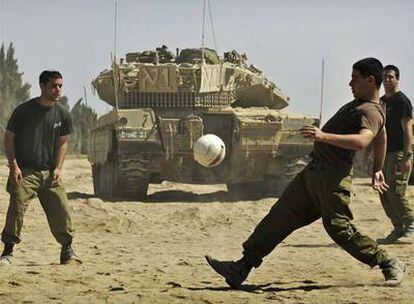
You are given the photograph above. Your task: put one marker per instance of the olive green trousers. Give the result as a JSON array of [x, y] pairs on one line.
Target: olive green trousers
[[52, 198], [317, 191], [394, 201]]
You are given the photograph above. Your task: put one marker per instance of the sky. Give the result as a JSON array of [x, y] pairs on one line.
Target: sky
[[286, 39]]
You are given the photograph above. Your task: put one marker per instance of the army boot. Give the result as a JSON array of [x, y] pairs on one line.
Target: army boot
[[392, 237], [394, 271], [68, 256], [235, 272], [6, 256]]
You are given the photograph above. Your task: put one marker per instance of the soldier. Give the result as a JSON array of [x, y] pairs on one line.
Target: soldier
[[35, 142], [323, 188], [398, 160]]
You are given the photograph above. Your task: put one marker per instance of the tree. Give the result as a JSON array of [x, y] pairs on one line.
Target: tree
[[84, 118], [12, 89]]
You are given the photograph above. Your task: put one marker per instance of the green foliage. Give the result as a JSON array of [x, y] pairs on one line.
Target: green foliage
[[12, 89], [84, 118]]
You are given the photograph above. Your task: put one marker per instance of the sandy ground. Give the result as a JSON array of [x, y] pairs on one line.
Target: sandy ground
[[152, 252]]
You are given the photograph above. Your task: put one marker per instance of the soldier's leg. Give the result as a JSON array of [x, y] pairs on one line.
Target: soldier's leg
[[404, 207], [55, 204], [293, 210], [388, 198], [19, 201], [337, 218]]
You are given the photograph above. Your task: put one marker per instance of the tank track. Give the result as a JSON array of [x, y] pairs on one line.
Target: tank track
[[133, 176], [126, 177]]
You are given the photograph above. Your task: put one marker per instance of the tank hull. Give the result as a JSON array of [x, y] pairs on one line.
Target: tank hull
[[136, 147]]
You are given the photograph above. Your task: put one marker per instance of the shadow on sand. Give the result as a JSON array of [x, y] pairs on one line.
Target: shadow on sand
[[311, 245], [306, 285], [167, 196], [189, 197], [76, 195]]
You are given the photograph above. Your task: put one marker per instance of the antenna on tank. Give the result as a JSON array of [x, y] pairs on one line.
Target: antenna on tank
[[85, 95], [115, 78], [203, 31], [113, 57], [322, 85], [212, 26], [115, 23]]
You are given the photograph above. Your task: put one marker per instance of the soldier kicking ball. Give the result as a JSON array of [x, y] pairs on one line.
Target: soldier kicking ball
[[323, 188]]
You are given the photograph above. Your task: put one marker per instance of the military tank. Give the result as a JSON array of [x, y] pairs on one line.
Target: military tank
[[163, 102]]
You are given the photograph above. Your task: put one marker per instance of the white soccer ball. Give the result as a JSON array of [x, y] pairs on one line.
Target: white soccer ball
[[209, 150]]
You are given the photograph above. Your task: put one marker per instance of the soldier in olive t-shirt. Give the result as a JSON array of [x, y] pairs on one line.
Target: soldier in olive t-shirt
[[323, 188], [35, 143]]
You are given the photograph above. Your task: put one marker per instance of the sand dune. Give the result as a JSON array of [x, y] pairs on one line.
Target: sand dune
[[152, 251]]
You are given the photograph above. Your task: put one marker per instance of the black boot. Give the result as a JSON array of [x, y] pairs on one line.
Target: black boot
[[235, 272], [67, 255], [392, 237], [6, 256]]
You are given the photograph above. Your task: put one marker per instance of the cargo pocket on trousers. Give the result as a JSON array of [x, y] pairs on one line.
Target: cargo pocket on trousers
[[343, 190]]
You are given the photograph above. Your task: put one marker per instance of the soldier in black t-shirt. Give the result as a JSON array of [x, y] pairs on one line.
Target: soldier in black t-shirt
[[398, 160], [35, 143], [323, 188]]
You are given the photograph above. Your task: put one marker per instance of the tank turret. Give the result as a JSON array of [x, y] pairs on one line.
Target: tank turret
[[158, 79]]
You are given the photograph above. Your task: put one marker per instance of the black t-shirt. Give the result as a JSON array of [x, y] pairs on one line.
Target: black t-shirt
[[398, 106], [350, 119], [37, 130]]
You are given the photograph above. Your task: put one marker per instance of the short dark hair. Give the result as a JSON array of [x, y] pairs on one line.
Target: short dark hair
[[392, 67], [370, 66], [46, 75]]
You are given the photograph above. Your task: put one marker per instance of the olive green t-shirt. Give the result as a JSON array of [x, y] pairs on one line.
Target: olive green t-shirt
[[37, 130], [350, 119]]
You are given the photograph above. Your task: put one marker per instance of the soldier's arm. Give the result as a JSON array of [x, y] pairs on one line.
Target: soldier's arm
[[15, 172], [405, 164], [61, 153], [357, 141], [9, 149], [380, 149], [406, 124]]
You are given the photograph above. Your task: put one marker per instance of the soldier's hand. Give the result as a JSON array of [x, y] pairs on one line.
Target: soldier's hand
[[16, 175], [378, 182], [312, 132], [56, 176]]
